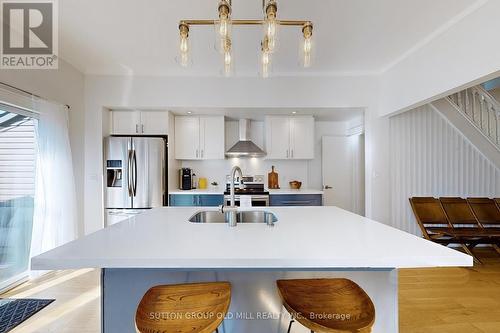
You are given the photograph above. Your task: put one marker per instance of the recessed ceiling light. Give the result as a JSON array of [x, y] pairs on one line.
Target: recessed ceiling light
[[189, 112], [294, 112]]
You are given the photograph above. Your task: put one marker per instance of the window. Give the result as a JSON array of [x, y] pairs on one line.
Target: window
[[17, 190]]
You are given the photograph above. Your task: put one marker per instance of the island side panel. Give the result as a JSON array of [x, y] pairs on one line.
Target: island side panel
[[255, 303]]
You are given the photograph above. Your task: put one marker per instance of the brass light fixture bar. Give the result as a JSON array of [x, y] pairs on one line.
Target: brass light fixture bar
[[268, 44], [246, 22]]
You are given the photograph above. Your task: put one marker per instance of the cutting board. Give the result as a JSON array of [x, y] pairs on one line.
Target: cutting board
[[272, 179]]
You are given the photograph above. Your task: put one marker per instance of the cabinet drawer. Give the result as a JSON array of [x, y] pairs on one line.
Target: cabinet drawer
[[296, 200]]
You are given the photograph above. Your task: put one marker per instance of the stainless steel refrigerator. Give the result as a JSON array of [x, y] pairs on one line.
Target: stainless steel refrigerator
[[136, 177]]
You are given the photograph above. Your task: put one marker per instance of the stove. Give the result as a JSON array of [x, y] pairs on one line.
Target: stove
[[252, 186]]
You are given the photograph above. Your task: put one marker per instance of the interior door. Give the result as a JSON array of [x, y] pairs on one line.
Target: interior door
[[148, 172], [187, 138], [117, 154], [337, 172], [212, 138], [302, 137], [278, 137]]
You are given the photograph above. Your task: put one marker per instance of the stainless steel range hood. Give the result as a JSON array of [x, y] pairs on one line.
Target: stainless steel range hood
[[245, 147]]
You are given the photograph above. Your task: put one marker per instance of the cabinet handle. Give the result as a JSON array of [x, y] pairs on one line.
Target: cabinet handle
[[142, 128], [196, 153], [287, 153], [297, 202], [136, 128], [292, 153], [202, 153]]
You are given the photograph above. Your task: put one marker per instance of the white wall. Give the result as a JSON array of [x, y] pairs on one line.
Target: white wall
[[430, 157], [306, 171], [66, 86]]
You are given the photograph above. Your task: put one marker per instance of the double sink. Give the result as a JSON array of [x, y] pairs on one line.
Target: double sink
[[241, 217]]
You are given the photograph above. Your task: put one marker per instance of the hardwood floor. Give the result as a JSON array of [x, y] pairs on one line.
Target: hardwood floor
[[443, 300], [451, 299]]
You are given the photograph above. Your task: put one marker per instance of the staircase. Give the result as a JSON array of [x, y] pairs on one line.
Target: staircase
[[482, 110]]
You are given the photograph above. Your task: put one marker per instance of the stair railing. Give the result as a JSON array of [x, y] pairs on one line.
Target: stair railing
[[481, 109]]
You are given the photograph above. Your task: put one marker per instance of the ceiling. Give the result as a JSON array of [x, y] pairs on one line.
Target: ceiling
[[136, 37]]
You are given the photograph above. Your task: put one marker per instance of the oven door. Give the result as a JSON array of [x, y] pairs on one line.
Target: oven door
[[257, 200]]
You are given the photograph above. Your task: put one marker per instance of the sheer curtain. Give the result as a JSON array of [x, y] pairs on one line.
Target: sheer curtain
[[55, 218]]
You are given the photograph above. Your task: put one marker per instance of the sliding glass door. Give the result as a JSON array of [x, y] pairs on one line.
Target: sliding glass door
[[17, 190]]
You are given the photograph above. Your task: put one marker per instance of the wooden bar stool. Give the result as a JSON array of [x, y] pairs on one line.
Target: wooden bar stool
[[182, 308], [328, 305]]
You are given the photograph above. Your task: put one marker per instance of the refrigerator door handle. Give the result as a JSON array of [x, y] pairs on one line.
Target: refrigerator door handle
[[129, 174], [135, 173]]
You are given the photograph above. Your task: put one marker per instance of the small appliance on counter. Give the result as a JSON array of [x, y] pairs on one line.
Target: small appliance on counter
[[272, 179], [185, 179]]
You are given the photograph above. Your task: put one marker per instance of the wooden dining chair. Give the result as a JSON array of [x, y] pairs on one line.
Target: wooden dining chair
[[497, 201], [183, 308], [467, 227], [327, 305], [487, 213], [431, 219]]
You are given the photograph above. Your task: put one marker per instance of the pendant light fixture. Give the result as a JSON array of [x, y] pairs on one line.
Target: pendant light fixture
[[224, 44]]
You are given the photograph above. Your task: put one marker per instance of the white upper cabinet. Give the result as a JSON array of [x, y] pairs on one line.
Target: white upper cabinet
[[139, 122], [187, 138], [199, 138], [277, 137], [125, 122], [212, 138], [154, 122], [302, 138], [290, 137]]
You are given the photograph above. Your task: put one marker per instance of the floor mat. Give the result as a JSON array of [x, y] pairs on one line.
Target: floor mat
[[14, 311]]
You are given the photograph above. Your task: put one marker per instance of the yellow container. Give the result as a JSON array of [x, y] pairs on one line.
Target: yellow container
[[202, 183]]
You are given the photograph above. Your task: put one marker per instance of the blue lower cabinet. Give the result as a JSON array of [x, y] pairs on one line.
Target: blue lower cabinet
[[211, 200], [296, 200], [190, 200], [180, 200]]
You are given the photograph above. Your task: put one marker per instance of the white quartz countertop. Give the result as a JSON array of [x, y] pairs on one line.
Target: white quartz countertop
[[307, 238], [271, 191], [198, 191], [294, 191]]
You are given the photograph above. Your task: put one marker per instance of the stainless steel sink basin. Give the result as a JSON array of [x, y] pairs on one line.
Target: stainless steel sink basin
[[241, 217]]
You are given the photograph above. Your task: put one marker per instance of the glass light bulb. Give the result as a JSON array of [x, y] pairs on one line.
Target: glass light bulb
[[265, 70], [184, 59], [227, 69], [271, 26], [227, 58], [265, 58], [307, 45], [224, 28], [307, 59], [184, 45]]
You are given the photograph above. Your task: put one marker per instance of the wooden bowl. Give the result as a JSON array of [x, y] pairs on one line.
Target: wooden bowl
[[295, 184]]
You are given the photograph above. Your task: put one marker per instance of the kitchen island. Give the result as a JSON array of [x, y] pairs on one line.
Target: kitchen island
[[163, 247]]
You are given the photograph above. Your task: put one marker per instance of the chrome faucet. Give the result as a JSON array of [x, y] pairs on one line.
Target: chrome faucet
[[232, 210], [233, 174]]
